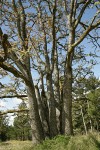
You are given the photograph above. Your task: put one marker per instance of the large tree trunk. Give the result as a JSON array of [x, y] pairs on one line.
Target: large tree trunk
[[68, 102], [52, 108], [62, 117], [36, 125], [57, 89], [43, 110], [68, 78], [67, 99]]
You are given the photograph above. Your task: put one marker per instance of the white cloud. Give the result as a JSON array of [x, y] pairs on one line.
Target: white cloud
[[11, 119], [16, 101], [2, 103], [10, 103]]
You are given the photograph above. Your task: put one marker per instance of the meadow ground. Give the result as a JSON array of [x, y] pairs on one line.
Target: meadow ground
[[81, 142]]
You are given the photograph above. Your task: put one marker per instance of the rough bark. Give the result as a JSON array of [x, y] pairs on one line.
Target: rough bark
[[36, 126], [42, 111], [52, 107], [62, 117], [68, 83], [68, 102], [57, 88]]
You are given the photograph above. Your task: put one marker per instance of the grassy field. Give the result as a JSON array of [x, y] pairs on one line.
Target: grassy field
[[90, 142]]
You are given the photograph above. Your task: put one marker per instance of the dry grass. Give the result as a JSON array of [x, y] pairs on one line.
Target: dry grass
[[16, 145]]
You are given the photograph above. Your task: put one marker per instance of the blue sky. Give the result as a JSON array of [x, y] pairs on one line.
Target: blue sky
[[96, 70]]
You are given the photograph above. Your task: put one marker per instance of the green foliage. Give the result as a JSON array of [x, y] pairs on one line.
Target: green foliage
[[3, 128], [94, 111], [11, 133], [21, 124], [21, 128], [89, 142], [87, 97], [59, 142]]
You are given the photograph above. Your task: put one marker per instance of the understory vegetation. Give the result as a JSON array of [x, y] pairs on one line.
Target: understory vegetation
[[79, 142]]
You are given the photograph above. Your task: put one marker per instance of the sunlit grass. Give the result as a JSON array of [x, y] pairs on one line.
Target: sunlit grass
[[16, 145]]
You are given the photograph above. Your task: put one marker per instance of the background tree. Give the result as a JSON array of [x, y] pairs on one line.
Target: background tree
[[21, 125], [86, 104], [3, 128]]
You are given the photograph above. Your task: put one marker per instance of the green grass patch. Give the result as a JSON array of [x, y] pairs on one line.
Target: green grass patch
[[82, 142], [89, 142], [58, 143]]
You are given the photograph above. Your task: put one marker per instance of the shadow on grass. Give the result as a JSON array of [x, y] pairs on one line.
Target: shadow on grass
[[97, 143], [4, 143]]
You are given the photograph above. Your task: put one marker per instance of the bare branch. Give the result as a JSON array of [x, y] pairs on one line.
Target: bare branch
[[54, 36], [13, 96], [23, 20], [13, 111], [98, 12], [81, 13], [45, 40], [18, 19], [86, 32], [12, 69]]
